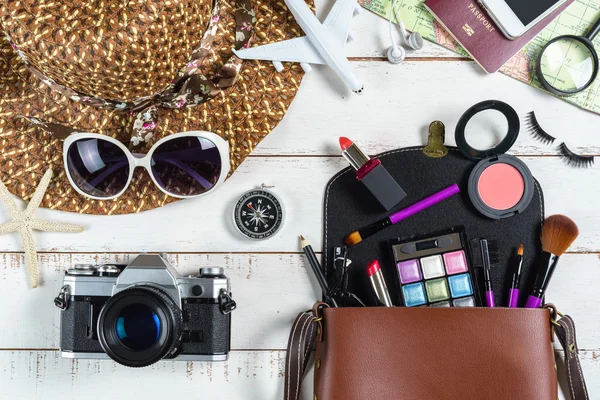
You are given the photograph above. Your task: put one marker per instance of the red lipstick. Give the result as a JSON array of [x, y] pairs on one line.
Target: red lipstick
[[373, 175], [345, 143]]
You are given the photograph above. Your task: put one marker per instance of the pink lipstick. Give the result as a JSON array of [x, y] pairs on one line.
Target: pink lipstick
[[373, 175], [378, 283]]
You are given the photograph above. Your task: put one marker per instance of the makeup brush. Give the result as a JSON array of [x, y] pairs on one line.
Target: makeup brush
[[358, 236], [558, 233], [513, 292]]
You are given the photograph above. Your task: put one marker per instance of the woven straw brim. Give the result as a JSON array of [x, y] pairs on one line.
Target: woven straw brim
[[243, 115]]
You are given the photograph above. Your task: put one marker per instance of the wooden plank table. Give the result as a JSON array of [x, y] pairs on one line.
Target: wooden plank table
[[271, 280]]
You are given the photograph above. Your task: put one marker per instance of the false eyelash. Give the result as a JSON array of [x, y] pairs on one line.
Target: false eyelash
[[537, 131], [574, 160]]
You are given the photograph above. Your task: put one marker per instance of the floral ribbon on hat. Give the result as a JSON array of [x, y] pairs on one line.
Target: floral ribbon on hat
[[189, 88]]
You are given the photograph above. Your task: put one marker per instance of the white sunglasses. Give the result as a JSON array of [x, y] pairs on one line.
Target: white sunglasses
[[182, 165]]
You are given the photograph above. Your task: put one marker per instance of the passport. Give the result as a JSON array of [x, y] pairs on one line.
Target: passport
[[471, 26]]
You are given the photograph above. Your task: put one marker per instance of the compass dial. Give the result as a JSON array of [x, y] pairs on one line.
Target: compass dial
[[258, 214]]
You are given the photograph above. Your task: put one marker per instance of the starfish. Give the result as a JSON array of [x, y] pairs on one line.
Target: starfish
[[25, 223]]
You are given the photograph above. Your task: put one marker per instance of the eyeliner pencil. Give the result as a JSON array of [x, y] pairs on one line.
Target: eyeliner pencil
[[317, 270]]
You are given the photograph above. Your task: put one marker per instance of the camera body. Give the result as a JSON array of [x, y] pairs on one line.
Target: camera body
[[144, 312]]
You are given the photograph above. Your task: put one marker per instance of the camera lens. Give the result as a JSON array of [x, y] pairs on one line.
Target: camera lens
[[139, 326]]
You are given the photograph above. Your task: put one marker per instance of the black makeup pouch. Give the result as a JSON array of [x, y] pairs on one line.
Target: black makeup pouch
[[349, 207]]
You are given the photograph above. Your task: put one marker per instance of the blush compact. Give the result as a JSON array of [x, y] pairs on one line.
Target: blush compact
[[500, 185]]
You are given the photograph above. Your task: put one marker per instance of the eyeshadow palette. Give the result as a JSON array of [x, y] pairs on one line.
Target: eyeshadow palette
[[435, 272]]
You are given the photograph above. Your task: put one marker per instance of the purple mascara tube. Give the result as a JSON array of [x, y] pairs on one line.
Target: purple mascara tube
[[487, 265]]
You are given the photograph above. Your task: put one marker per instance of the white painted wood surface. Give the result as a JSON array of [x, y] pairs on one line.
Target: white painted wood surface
[[270, 279]]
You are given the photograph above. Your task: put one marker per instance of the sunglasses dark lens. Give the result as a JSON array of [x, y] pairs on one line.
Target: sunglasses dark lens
[[98, 167], [187, 166]]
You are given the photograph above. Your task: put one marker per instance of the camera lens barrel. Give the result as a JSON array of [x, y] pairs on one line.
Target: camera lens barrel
[[140, 326]]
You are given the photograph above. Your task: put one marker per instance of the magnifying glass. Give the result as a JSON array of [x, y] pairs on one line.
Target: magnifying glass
[[568, 64]]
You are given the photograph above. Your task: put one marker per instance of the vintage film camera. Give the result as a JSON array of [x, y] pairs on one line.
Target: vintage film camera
[[145, 312]]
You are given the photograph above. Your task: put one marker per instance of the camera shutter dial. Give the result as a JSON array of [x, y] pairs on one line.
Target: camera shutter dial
[[82, 269], [212, 272], [108, 270]]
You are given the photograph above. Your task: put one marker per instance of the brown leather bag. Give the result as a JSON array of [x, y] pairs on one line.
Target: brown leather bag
[[426, 353]]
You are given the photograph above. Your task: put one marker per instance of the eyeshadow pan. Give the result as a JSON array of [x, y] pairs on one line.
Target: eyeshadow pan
[[460, 285], [437, 290], [414, 294], [442, 304], [409, 271], [465, 302], [433, 267], [456, 262]]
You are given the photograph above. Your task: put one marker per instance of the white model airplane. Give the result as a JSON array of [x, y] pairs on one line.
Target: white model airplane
[[323, 43]]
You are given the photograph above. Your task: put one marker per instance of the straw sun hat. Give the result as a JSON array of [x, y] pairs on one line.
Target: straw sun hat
[[136, 70]]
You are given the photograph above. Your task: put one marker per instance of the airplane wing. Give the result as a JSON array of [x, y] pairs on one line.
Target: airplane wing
[[294, 50], [339, 18]]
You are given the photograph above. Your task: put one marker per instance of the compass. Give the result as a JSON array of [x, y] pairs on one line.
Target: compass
[[258, 214]]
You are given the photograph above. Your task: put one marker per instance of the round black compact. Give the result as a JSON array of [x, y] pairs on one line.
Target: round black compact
[[500, 185]]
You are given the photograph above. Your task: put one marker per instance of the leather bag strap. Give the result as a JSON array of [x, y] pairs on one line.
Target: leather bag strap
[[304, 332], [565, 331], [300, 344]]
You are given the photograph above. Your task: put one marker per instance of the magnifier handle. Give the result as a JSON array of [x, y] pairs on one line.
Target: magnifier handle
[[594, 31]]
